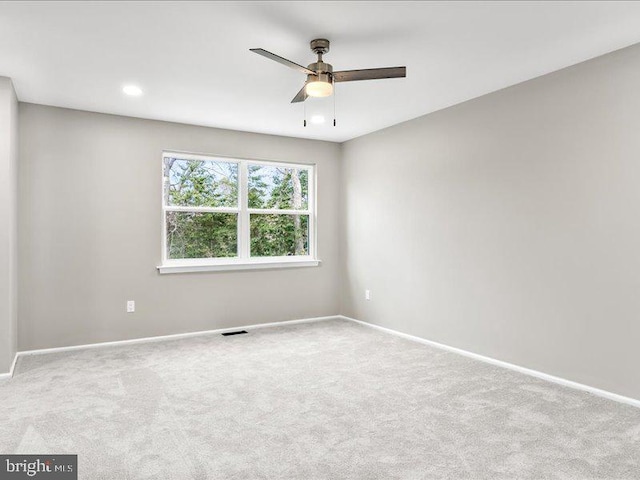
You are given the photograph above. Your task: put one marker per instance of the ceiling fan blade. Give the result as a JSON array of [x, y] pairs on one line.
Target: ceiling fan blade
[[369, 74], [301, 96], [283, 61]]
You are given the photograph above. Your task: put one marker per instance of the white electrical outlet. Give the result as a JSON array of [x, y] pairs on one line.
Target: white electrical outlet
[[131, 306], [367, 294]]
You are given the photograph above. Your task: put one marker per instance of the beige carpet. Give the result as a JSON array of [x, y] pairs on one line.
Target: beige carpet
[[325, 400]]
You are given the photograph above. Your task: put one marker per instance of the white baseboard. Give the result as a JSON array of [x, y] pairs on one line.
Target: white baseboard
[[527, 371], [162, 338], [9, 374]]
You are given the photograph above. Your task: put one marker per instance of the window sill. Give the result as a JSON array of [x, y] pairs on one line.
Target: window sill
[[258, 264]]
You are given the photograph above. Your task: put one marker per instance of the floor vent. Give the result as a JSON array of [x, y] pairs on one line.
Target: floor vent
[[238, 332]]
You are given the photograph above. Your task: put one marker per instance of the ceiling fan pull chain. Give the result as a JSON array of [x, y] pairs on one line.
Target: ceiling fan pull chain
[[334, 102], [304, 113]]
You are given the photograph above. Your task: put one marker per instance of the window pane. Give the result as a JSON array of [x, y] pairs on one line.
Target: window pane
[[279, 235], [202, 235], [278, 187], [201, 183]]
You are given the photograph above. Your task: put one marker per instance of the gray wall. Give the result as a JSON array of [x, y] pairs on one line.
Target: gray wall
[[90, 227], [8, 224], [509, 225]]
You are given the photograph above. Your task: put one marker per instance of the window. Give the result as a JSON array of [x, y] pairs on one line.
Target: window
[[222, 213]]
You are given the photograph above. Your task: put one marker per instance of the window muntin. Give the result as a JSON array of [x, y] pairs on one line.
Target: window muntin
[[220, 210]]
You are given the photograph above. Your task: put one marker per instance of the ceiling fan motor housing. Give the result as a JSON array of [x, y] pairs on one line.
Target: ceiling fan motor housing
[[321, 77], [324, 72]]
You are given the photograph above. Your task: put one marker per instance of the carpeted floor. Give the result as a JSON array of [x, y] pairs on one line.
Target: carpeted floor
[[325, 400]]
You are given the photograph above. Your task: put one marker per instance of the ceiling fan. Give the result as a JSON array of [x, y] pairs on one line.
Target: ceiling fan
[[320, 75]]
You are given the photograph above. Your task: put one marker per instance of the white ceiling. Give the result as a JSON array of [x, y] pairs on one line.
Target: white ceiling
[[193, 62]]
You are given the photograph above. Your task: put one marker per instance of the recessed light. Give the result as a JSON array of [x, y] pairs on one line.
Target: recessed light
[[317, 119], [132, 90]]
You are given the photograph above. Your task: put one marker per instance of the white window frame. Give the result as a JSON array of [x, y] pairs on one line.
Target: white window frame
[[243, 261]]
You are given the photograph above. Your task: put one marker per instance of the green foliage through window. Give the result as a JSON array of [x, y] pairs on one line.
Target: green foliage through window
[[279, 235], [278, 188], [201, 183], [202, 235]]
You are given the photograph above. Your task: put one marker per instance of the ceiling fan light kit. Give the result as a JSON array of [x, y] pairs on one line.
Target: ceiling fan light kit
[[318, 86], [321, 77]]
